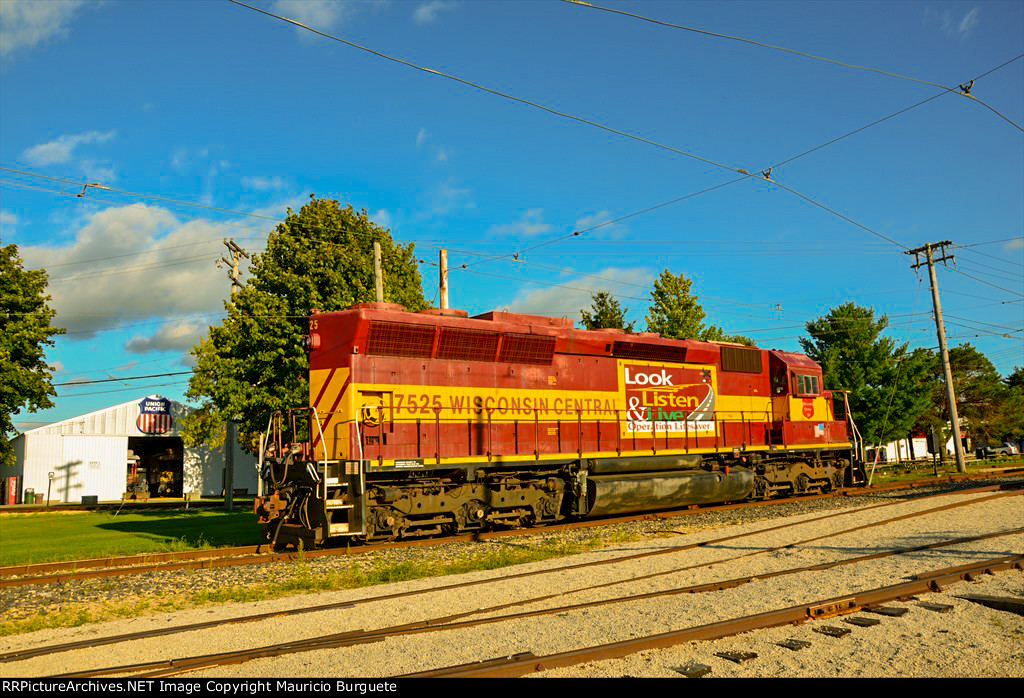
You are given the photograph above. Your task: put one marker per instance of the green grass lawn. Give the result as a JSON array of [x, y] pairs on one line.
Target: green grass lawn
[[905, 473], [51, 537]]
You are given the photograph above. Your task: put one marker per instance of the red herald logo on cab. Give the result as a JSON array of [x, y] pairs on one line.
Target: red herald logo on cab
[[808, 407]]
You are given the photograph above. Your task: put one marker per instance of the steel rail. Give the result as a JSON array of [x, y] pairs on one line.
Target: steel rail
[[527, 663], [22, 654], [172, 667], [20, 575], [709, 587], [434, 622]]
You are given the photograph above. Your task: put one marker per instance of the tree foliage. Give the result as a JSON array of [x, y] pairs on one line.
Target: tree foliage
[[1011, 413], [676, 314], [25, 332], [980, 392], [991, 408], [254, 364], [888, 385], [606, 313]]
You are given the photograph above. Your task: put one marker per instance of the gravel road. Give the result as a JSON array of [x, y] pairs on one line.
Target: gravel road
[[970, 640]]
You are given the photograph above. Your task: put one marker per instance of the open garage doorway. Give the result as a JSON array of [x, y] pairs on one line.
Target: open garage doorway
[[155, 465]]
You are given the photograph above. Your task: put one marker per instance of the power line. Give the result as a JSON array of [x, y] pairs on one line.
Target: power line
[[124, 378], [992, 271], [962, 273], [141, 196], [127, 270], [964, 90], [774, 165], [705, 32], [993, 242], [121, 390], [748, 175]]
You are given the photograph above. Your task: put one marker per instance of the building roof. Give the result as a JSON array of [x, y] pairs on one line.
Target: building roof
[[117, 420]]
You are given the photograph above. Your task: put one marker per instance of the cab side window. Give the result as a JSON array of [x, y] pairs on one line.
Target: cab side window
[[807, 385]]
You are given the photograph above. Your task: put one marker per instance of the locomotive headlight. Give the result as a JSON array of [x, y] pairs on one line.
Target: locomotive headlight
[[311, 341]]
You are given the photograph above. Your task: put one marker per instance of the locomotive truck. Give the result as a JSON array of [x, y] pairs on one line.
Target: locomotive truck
[[433, 423]]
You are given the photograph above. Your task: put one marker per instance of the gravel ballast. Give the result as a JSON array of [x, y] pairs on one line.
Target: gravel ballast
[[969, 640]]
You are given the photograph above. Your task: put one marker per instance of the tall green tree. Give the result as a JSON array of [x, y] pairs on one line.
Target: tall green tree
[[25, 332], [1010, 417], [986, 404], [889, 387], [980, 392], [676, 314], [606, 313], [254, 364]]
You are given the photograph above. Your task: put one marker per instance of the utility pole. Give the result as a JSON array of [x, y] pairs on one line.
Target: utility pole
[[236, 257], [237, 253], [954, 417], [443, 259], [378, 277]]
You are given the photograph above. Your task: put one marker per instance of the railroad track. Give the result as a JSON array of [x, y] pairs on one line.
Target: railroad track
[[460, 620], [525, 663], [57, 572]]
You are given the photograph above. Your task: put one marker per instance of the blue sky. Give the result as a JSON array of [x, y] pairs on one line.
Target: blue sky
[[215, 105]]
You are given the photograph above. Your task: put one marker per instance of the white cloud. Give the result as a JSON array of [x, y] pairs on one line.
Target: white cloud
[[382, 218], [25, 23], [421, 137], [442, 155], [177, 336], [8, 218], [322, 14], [575, 294], [428, 11], [102, 172], [447, 198], [1015, 244], [599, 225], [279, 209], [264, 183], [950, 27], [125, 264], [968, 22], [319, 14], [529, 224], [61, 150]]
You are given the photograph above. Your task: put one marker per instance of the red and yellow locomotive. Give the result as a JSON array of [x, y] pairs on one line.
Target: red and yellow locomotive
[[429, 423]]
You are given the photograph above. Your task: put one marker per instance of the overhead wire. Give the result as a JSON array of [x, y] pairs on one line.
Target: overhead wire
[[963, 91], [574, 233], [991, 271], [969, 276], [149, 197], [578, 119], [772, 166]]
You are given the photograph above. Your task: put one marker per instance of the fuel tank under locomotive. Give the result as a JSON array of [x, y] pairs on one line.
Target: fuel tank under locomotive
[[632, 485], [637, 492]]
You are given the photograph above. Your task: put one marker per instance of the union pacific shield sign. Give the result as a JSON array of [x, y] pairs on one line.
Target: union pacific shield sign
[[668, 397], [154, 415]]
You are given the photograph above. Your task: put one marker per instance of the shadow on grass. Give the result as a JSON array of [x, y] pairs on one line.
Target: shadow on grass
[[190, 528]]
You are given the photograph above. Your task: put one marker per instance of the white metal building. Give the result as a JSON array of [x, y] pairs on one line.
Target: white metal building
[[96, 454]]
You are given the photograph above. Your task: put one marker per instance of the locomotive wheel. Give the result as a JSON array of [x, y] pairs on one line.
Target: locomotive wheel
[[803, 483], [471, 515], [760, 488], [386, 521]]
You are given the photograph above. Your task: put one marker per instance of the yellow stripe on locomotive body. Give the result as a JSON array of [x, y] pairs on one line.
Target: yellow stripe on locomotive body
[[329, 391], [654, 400]]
